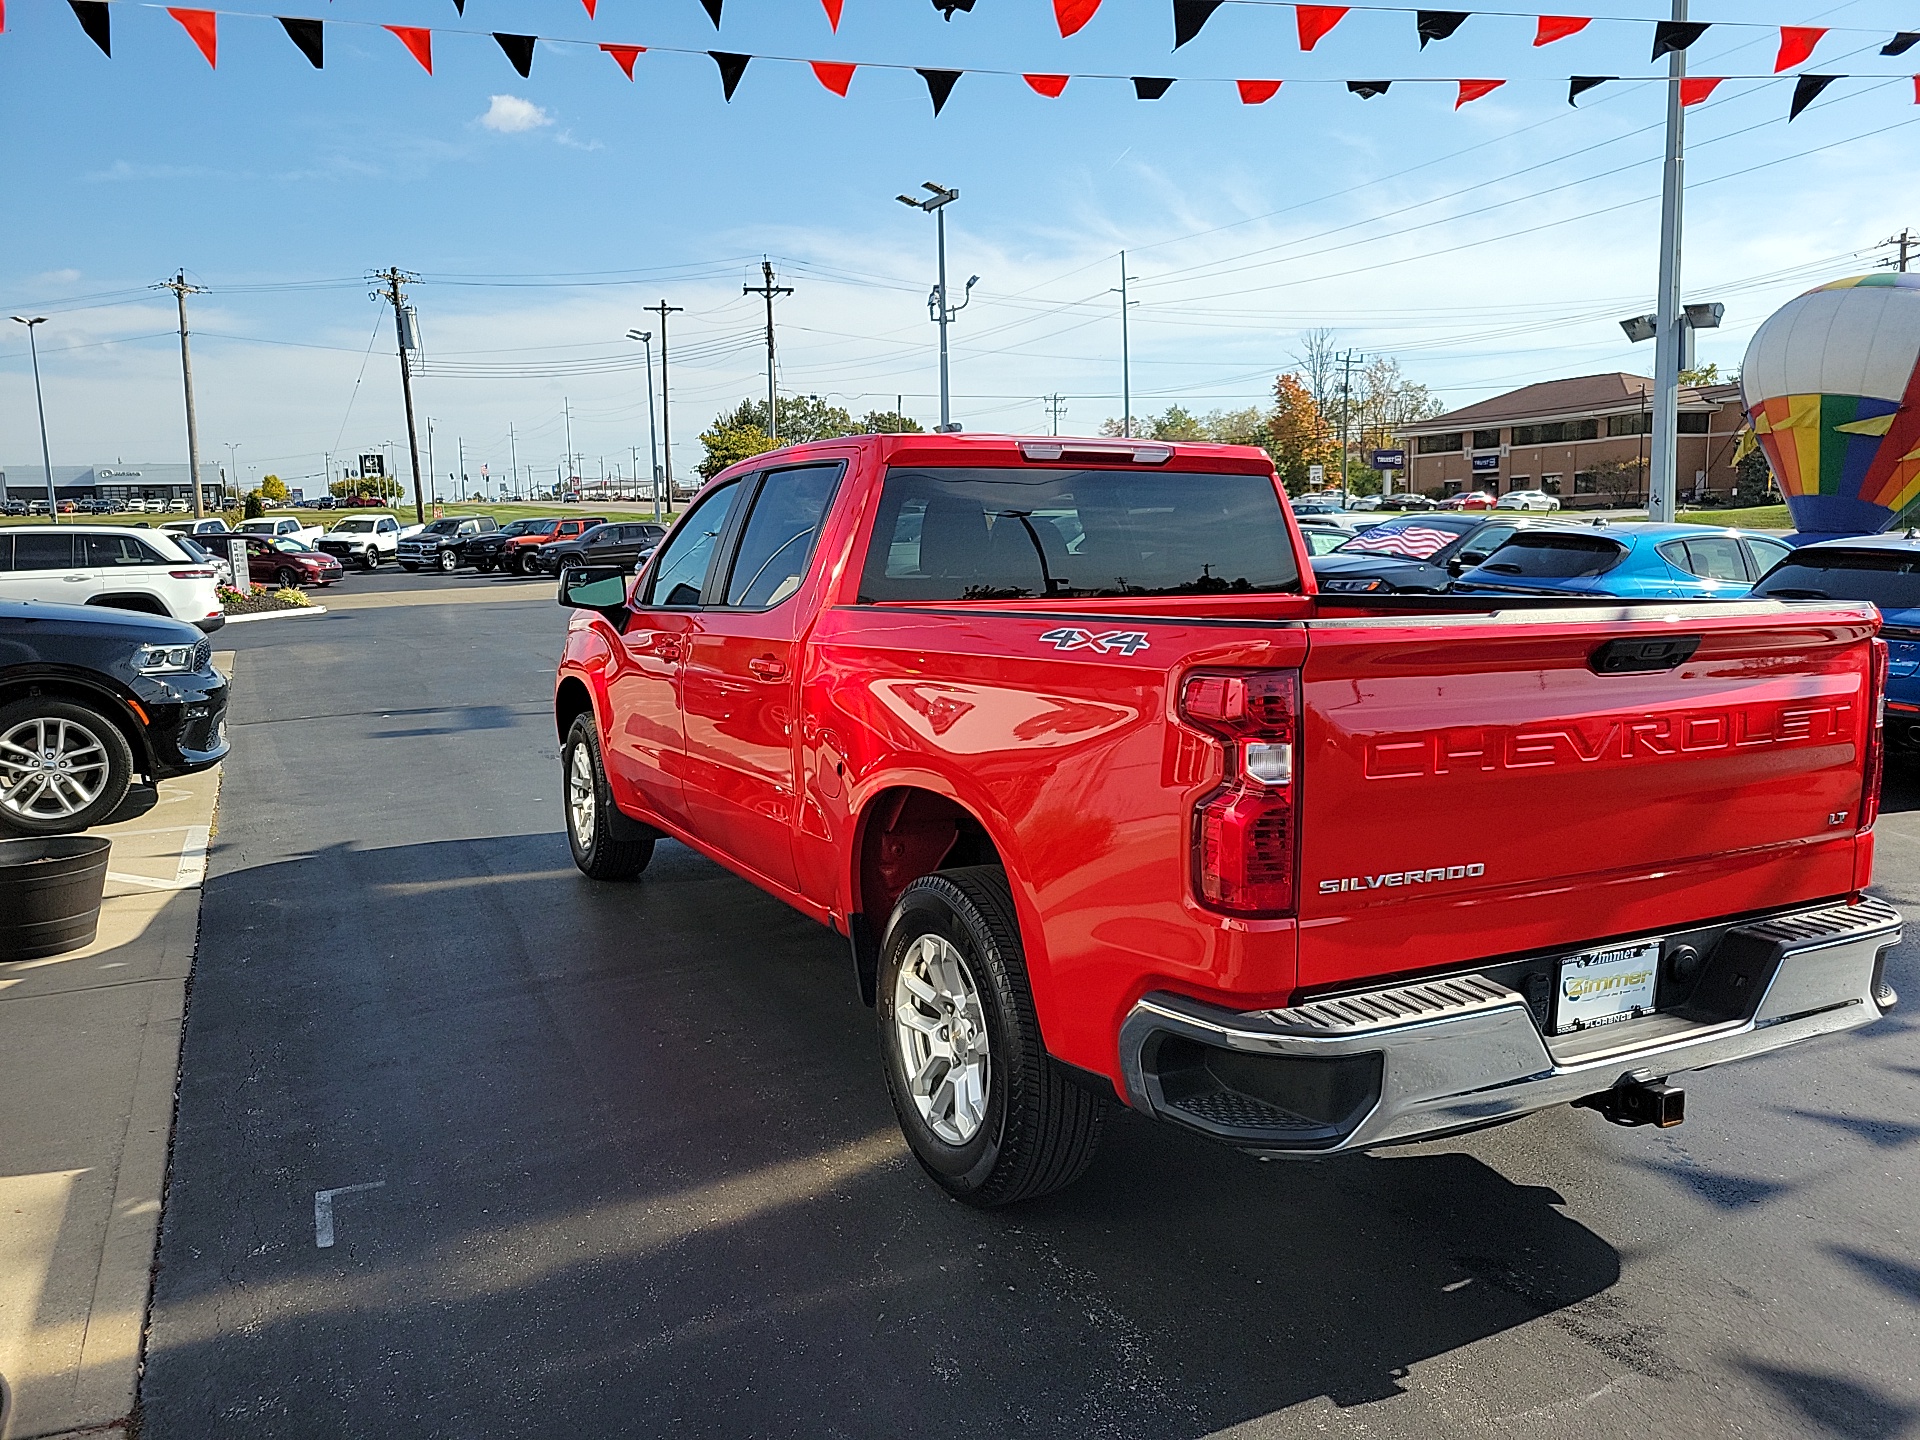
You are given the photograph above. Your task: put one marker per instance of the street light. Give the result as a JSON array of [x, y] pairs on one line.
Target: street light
[[937, 308], [233, 468], [645, 337], [46, 456]]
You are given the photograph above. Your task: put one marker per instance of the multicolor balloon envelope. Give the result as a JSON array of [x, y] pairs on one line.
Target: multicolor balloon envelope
[[1831, 386]]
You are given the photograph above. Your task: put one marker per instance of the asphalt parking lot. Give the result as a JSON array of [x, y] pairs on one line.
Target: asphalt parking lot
[[618, 1159]]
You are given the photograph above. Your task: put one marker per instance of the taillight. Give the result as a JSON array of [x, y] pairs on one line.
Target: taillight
[[191, 574], [1245, 833], [1876, 738]]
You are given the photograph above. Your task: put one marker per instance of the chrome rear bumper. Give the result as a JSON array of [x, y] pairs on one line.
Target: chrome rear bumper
[[1423, 1059]]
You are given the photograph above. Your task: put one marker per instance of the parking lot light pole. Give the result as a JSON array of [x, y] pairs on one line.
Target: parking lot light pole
[[645, 337], [935, 204], [46, 455]]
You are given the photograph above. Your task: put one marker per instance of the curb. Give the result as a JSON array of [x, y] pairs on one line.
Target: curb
[[277, 614]]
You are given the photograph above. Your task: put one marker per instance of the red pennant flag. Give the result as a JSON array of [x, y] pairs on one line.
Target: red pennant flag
[[1316, 21], [835, 76], [1257, 92], [1474, 89], [201, 25], [1047, 85], [1916, 89], [590, 4], [419, 43], [3, 17], [625, 55], [1072, 14], [1796, 45], [1558, 27], [833, 14], [1696, 88]]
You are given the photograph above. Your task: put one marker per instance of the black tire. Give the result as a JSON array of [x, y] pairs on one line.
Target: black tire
[[601, 854], [485, 567], [569, 562], [287, 579], [449, 562], [369, 559], [1040, 1129], [118, 755], [410, 569]]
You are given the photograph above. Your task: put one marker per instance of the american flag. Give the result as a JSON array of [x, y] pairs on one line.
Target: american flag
[[1415, 542]]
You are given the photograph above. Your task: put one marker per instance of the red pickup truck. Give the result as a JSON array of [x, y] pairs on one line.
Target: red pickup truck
[[1111, 804]]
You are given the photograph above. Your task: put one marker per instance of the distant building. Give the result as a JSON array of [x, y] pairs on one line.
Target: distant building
[[1571, 438], [118, 482]]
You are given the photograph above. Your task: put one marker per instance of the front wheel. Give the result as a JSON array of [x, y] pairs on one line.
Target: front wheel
[[287, 579], [985, 1110], [370, 560], [449, 562], [485, 567], [592, 821], [63, 767]]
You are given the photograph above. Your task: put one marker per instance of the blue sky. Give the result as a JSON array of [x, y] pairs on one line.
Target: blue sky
[[1484, 248]]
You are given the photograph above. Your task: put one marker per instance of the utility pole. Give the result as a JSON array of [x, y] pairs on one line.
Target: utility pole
[[1056, 406], [1904, 241], [460, 441], [645, 337], [767, 290], [666, 400], [1669, 337], [513, 459], [181, 289], [1126, 363], [1347, 363], [46, 455], [393, 279], [937, 307], [566, 412], [430, 474]]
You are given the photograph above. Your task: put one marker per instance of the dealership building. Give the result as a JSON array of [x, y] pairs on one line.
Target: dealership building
[[118, 482]]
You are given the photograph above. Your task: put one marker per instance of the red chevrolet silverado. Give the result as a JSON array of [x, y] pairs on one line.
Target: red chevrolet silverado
[[1112, 805]]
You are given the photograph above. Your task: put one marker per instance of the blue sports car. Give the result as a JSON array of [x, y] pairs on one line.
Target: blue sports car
[[1886, 570], [1631, 560]]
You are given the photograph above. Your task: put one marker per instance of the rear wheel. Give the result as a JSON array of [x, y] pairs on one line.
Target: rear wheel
[[592, 821], [985, 1110], [63, 767]]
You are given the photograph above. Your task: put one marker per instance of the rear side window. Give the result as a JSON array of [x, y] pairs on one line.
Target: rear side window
[[108, 551], [1553, 555], [51, 551], [778, 540], [1014, 534], [1711, 557], [1888, 578]]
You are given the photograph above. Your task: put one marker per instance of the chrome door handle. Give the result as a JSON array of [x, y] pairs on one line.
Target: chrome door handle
[[767, 668]]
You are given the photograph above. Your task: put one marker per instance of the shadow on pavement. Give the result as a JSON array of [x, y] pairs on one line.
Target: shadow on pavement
[[1835, 1403]]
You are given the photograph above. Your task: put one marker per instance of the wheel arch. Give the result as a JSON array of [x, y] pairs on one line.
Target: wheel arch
[[81, 690], [571, 700]]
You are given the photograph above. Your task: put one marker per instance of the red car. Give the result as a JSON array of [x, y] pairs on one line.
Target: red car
[[275, 560], [1471, 500], [1111, 804]]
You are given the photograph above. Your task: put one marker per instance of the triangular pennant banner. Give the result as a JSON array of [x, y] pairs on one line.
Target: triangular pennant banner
[[1315, 21], [1580, 84], [591, 5], [203, 26], [1367, 89], [712, 7], [1558, 27], [1150, 87], [625, 55], [947, 7], [1070, 15], [1672, 35], [833, 13], [1796, 45], [1696, 88], [940, 83], [96, 20], [1050, 86], [1189, 16], [835, 76], [3, 17], [1899, 45], [460, 7], [1916, 89], [1474, 89], [732, 67], [1257, 92], [308, 35], [1438, 24], [1806, 90], [519, 50], [419, 43]]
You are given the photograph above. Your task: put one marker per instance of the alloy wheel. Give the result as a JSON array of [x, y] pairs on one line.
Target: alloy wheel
[[941, 1030], [581, 798], [51, 768]]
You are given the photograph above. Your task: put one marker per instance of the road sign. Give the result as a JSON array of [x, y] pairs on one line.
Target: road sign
[[1316, 474], [375, 464], [1389, 459]]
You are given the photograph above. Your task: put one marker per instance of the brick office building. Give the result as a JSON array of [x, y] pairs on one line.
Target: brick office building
[[1559, 436]]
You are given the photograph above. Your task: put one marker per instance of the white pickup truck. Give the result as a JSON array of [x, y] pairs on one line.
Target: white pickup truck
[[282, 527], [364, 539]]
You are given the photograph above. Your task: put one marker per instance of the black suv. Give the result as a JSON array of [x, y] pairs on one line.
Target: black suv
[[91, 697], [618, 542]]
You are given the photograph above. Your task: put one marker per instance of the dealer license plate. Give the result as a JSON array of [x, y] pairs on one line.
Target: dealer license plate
[[1605, 986]]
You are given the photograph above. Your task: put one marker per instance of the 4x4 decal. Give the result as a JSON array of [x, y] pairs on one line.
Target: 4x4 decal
[[1072, 638]]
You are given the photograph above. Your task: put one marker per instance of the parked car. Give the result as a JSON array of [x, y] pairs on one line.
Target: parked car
[[1641, 560], [1316, 504], [438, 544], [517, 556], [13, 507], [614, 542], [91, 698], [277, 560], [283, 527], [366, 540], [1407, 500], [1469, 500], [1364, 502], [211, 525], [483, 551], [325, 502], [108, 565], [222, 567], [1085, 851], [1412, 553], [1884, 569], [1528, 500]]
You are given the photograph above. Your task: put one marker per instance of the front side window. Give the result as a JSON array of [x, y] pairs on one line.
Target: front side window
[[680, 570], [778, 539], [1030, 533]]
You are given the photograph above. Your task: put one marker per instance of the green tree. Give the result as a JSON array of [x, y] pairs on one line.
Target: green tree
[[250, 509], [1708, 374], [890, 422], [272, 488], [1296, 434], [729, 442]]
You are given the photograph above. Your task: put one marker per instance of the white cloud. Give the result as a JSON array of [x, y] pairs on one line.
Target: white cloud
[[510, 115]]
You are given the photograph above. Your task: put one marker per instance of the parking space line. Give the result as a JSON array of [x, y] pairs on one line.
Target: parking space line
[[323, 1210]]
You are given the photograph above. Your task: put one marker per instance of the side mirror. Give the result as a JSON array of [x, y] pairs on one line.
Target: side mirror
[[595, 587]]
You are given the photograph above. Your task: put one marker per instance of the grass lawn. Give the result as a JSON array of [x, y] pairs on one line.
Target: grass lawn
[[1755, 517]]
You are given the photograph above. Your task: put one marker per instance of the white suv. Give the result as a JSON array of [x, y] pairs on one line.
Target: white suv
[[123, 568]]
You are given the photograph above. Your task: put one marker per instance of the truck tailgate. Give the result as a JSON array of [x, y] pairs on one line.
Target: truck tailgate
[[1474, 786]]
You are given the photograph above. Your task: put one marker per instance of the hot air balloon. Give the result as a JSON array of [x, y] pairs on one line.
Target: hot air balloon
[[1831, 386]]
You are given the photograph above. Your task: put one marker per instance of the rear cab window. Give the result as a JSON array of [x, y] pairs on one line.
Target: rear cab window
[[1888, 578], [1554, 555]]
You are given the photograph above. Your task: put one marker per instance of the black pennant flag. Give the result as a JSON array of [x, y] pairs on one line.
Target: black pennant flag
[[947, 7], [940, 84], [1148, 87], [519, 50], [1806, 90], [1439, 24], [94, 19], [732, 67], [1671, 35], [1367, 89], [459, 7], [1189, 16], [1901, 43], [307, 35], [1580, 84], [712, 7]]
